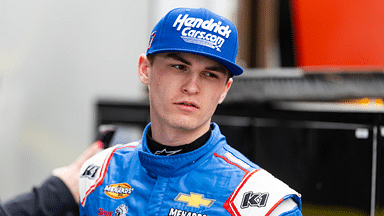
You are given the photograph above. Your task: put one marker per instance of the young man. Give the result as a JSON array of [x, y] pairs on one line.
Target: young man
[[183, 165]]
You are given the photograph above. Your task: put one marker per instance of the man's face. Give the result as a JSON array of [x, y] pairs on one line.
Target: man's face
[[184, 89]]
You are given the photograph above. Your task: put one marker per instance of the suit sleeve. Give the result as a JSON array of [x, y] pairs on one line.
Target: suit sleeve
[[50, 198], [92, 175], [260, 193]]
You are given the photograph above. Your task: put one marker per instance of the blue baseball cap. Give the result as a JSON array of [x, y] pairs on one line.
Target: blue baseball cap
[[197, 31]]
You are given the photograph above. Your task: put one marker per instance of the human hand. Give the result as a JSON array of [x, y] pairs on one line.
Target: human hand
[[70, 174]]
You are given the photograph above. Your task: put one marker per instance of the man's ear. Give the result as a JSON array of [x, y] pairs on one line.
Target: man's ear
[[143, 69], [227, 87]]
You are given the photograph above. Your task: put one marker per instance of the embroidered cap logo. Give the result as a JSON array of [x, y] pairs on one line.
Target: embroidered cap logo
[[199, 31]]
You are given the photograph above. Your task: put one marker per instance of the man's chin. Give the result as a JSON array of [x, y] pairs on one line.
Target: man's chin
[[189, 124]]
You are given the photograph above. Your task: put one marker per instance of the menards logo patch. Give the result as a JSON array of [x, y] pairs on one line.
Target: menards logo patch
[[118, 191]]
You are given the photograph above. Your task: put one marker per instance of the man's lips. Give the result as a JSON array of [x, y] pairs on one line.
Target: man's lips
[[188, 104]]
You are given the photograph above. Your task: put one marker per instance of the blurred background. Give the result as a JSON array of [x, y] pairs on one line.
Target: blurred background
[[57, 59], [311, 97]]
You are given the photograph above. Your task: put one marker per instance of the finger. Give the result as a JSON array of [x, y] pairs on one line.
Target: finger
[[89, 152]]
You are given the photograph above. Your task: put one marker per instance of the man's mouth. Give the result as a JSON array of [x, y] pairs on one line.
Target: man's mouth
[[188, 104]]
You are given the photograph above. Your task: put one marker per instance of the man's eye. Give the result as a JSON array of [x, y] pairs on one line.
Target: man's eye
[[180, 67], [209, 74]]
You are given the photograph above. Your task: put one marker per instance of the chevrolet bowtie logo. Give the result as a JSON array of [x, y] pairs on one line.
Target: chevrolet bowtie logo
[[194, 200]]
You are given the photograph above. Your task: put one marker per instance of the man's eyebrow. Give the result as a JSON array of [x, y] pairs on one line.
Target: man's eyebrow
[[221, 69], [178, 58]]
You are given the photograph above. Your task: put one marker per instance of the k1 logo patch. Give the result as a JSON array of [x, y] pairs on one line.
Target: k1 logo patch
[[90, 172], [251, 199]]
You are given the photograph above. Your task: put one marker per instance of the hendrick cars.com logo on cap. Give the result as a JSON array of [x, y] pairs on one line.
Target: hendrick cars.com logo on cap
[[203, 32]]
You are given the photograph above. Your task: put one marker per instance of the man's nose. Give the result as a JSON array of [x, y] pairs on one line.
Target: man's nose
[[191, 85]]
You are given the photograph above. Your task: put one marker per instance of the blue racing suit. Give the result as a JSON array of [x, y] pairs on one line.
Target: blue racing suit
[[214, 179]]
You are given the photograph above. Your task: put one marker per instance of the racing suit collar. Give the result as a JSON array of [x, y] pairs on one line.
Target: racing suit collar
[[160, 149], [175, 165]]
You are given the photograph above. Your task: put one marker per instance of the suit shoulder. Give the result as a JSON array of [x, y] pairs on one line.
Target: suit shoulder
[[232, 157], [260, 193], [94, 169]]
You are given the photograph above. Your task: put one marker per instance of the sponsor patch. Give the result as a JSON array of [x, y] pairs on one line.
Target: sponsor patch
[[165, 152], [122, 210], [118, 191], [178, 212], [90, 172], [151, 39], [102, 212], [194, 200], [251, 199]]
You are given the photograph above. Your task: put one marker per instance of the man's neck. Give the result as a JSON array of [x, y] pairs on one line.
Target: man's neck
[[160, 149], [176, 136]]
